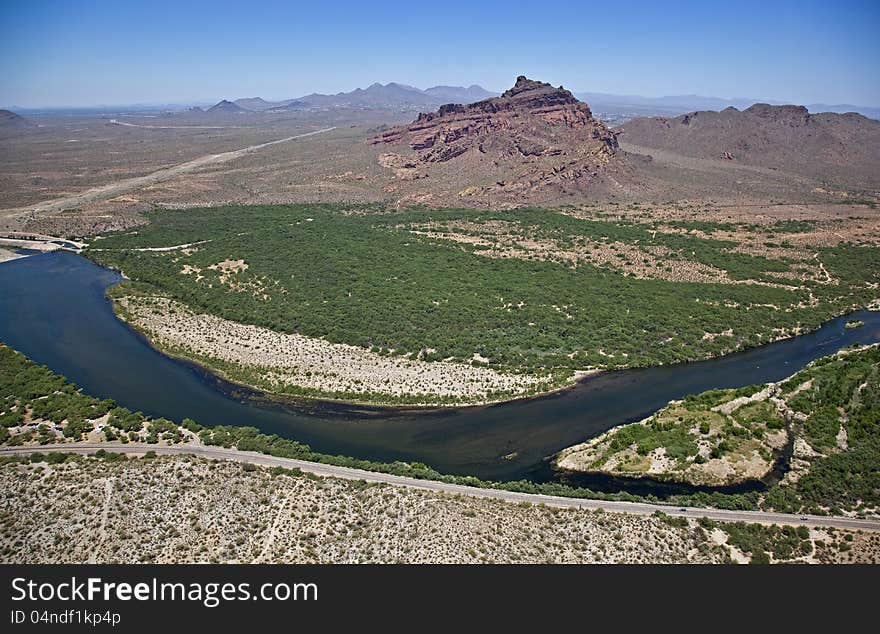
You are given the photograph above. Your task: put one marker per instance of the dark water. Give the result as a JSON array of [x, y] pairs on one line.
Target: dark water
[[52, 308]]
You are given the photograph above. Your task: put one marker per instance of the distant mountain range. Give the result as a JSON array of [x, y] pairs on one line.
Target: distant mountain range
[[9, 119], [391, 96], [681, 104], [615, 109], [457, 94], [612, 108]]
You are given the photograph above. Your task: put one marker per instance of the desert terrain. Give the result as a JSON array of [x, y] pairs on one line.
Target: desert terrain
[[534, 145], [468, 254], [48, 172], [721, 210], [174, 510]]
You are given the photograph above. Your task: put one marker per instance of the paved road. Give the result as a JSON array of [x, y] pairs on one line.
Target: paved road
[[638, 508], [114, 189]]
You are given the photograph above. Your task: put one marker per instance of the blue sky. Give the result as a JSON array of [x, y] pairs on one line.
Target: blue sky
[[123, 52]]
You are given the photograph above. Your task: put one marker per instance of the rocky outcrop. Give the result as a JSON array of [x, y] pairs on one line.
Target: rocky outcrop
[[534, 140], [530, 114]]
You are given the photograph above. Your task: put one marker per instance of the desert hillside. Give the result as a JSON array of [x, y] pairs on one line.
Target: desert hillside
[[837, 149]]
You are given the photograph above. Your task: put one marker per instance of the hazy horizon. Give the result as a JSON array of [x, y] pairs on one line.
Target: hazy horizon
[[213, 100], [102, 54]]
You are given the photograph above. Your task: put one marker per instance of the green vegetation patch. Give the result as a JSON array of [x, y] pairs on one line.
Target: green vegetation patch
[[692, 433], [756, 417], [782, 542], [844, 394], [659, 432], [365, 279], [32, 392]]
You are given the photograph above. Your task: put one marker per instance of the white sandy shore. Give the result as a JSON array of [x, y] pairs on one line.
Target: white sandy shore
[[275, 361]]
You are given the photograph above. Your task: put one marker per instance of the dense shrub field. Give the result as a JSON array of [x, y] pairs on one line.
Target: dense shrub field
[[357, 275]]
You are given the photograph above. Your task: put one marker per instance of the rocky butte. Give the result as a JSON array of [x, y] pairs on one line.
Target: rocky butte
[[534, 143]]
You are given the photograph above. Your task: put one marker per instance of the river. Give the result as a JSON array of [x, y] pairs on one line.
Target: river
[[53, 309]]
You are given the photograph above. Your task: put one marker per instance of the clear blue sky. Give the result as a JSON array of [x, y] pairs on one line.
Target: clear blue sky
[[123, 52]]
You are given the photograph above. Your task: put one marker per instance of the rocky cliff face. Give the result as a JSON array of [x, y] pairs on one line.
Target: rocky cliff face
[[535, 141], [537, 118]]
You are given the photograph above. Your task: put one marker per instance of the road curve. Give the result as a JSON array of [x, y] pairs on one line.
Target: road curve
[[348, 473]]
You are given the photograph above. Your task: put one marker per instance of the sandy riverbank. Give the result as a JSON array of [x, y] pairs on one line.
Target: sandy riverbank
[[295, 365]]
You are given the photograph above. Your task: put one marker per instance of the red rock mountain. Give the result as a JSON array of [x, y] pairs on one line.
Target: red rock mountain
[[534, 143], [533, 114]]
